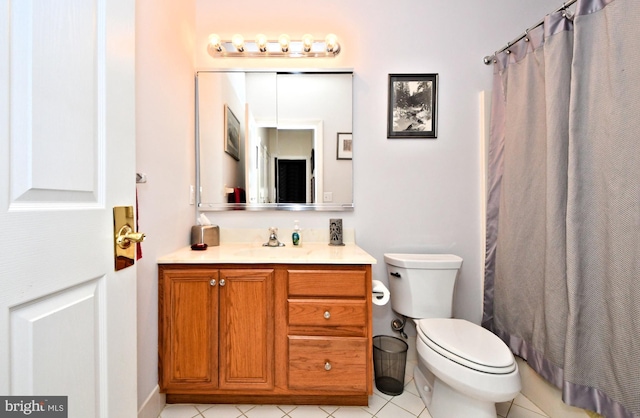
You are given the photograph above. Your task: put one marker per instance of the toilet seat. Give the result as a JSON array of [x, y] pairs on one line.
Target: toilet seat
[[467, 344]]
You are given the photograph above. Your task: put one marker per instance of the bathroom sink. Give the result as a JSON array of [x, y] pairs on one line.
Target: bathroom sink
[[255, 253], [273, 253]]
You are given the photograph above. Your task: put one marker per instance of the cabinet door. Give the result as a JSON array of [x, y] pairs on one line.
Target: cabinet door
[[188, 329], [246, 329]]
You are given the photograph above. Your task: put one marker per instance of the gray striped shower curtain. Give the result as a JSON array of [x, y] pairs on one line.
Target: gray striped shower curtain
[[562, 276]]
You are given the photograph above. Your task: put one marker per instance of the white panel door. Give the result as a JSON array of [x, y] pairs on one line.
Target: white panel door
[[67, 144]]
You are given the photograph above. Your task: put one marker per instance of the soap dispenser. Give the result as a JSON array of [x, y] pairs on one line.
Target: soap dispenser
[[296, 236]]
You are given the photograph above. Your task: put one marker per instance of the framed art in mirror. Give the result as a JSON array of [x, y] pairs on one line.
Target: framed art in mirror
[[345, 146], [413, 106], [232, 132]]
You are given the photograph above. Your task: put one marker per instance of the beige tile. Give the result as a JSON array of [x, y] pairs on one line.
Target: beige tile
[[411, 387], [265, 411], [287, 408], [203, 406], [392, 410], [351, 412], [425, 414], [306, 411], [409, 402], [329, 408], [382, 395], [245, 408], [517, 411], [179, 411], [502, 408], [524, 402], [375, 404], [222, 411]]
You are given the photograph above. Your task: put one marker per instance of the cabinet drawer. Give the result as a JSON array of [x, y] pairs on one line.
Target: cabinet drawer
[[327, 283], [321, 363], [327, 313]]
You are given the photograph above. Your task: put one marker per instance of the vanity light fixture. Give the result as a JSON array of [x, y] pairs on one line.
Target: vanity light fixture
[[307, 42], [215, 43], [261, 42], [238, 42], [307, 47], [332, 43], [284, 42]]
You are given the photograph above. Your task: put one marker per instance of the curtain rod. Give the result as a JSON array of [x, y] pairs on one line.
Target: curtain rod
[[489, 59]]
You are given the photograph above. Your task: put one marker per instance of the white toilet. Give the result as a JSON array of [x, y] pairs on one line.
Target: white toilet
[[463, 369]]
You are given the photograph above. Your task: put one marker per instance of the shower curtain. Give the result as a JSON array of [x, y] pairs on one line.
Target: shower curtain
[[562, 276]]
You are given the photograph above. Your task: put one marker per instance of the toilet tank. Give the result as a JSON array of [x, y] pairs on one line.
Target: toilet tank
[[421, 285]]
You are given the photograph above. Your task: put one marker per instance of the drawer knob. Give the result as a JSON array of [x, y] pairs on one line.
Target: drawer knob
[[222, 282], [327, 366], [327, 314], [212, 282]]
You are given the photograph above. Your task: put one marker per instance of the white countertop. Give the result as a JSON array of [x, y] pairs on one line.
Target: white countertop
[[252, 253]]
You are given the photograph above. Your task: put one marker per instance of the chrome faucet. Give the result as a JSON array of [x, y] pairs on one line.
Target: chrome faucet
[[273, 238]]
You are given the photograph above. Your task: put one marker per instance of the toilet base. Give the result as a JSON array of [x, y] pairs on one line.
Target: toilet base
[[424, 387], [444, 402]]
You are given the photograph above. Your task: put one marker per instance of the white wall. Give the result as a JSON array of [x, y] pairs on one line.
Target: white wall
[[410, 195], [165, 152]]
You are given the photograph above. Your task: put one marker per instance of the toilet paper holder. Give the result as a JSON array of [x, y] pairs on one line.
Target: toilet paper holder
[[379, 293]]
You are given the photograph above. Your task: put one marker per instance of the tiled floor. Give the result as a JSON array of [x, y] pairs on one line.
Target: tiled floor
[[407, 405]]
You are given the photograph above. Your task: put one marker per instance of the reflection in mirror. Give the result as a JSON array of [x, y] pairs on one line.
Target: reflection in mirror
[[288, 141]]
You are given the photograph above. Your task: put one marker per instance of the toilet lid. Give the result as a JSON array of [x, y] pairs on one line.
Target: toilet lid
[[467, 344]]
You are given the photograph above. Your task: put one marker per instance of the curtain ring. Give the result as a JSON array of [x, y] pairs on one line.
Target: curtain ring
[[526, 35]]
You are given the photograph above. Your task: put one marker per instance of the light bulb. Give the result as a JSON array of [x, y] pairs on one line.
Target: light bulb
[[261, 42], [215, 42], [307, 42], [238, 42], [284, 40], [332, 43]]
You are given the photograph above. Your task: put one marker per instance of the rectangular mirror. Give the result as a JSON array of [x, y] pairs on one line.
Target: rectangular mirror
[[269, 140]]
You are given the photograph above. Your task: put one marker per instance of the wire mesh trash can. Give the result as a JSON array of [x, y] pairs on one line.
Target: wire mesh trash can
[[389, 360]]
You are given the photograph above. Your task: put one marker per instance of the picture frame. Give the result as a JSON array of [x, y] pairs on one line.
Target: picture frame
[[345, 146], [413, 106], [231, 133]]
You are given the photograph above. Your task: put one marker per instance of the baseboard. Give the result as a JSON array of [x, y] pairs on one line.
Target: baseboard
[[153, 405], [544, 395]]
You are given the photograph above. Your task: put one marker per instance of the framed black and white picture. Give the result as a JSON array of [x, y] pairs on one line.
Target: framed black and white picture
[[413, 106], [232, 133], [345, 146]]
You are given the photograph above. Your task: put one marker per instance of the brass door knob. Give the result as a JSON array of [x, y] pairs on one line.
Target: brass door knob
[[126, 236]]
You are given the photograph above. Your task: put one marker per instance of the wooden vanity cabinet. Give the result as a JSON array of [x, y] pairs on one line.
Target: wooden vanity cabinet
[[267, 334], [216, 329]]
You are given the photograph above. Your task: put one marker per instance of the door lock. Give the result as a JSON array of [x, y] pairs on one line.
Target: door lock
[[123, 236], [126, 236]]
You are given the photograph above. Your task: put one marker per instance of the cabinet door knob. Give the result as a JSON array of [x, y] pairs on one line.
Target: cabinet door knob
[[222, 282], [327, 315], [212, 282], [327, 366]]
